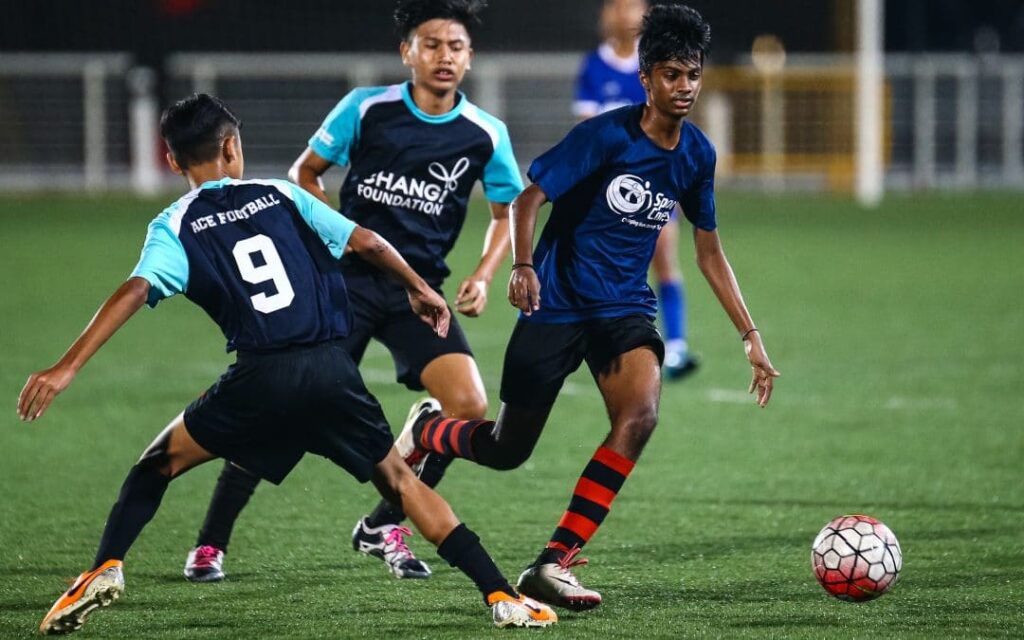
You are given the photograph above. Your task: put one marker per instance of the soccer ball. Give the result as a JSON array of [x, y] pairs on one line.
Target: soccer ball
[[856, 558]]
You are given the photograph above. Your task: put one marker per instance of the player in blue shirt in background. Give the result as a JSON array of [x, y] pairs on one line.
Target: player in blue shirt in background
[[261, 258], [610, 78], [613, 181], [414, 151]]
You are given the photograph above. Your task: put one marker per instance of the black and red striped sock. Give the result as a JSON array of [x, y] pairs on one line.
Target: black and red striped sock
[[591, 500], [452, 437]]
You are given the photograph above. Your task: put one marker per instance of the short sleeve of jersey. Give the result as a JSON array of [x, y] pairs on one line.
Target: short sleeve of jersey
[[333, 228], [502, 182], [576, 157], [163, 263], [587, 98], [339, 133], [698, 203]]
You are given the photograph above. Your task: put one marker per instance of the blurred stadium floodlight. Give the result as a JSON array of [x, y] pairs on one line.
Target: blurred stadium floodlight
[[870, 176]]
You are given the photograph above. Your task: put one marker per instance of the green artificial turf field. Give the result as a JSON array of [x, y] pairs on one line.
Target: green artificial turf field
[[898, 333]]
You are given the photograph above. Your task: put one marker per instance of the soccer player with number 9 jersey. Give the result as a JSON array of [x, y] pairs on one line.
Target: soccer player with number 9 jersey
[[261, 257], [414, 151]]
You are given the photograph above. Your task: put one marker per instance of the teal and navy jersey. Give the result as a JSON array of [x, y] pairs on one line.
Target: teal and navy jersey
[[612, 191], [606, 82], [411, 174], [261, 257]]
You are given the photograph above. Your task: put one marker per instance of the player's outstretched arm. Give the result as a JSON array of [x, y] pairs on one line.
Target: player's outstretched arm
[[523, 285], [306, 172], [43, 386], [718, 272], [471, 298], [425, 302]]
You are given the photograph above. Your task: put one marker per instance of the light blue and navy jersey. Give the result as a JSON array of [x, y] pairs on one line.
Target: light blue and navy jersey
[[261, 257], [612, 191], [606, 82], [411, 174]]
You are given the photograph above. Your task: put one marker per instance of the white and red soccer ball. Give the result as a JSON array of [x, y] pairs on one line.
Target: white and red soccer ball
[[856, 558]]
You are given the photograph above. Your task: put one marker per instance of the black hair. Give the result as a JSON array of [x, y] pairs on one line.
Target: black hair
[[673, 32], [194, 127], [410, 14]]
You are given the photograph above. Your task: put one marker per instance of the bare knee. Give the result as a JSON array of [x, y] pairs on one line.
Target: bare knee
[[174, 452], [632, 432], [172, 464], [390, 477], [465, 406]]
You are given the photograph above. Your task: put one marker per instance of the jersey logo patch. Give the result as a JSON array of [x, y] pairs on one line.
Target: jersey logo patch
[[412, 193], [450, 180], [631, 196]]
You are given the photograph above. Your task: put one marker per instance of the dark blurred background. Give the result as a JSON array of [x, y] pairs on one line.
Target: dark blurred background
[[81, 83], [152, 28]]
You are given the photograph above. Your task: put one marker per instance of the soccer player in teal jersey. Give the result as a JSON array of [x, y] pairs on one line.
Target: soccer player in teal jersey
[[609, 79], [260, 257], [413, 150], [583, 294]]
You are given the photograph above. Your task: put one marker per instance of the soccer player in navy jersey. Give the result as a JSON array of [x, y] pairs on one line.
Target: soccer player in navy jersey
[[414, 151], [261, 258], [583, 292], [610, 78]]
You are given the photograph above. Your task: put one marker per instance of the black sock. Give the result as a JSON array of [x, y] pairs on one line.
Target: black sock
[[548, 556], [234, 488], [487, 450], [386, 513], [462, 549], [140, 497]]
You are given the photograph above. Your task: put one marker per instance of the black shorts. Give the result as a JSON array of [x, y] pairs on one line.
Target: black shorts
[[380, 309], [267, 410], [541, 356]]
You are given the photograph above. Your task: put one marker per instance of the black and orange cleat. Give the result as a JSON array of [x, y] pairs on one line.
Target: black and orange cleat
[[92, 589], [520, 611]]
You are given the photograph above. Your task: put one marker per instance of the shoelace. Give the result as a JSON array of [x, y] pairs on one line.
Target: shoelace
[[396, 539], [206, 555], [569, 561]]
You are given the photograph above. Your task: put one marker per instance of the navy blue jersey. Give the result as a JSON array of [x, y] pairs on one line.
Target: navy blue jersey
[[411, 174], [261, 257], [607, 82], [613, 190]]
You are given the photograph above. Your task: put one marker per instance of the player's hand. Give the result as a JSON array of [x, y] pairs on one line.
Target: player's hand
[[40, 390], [432, 309], [764, 373], [524, 290], [471, 298]]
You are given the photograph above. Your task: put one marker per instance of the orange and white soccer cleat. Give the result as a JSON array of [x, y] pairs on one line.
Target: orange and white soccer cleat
[[92, 589], [508, 611]]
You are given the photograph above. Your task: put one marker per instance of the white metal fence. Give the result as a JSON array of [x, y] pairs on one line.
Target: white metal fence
[[89, 121], [63, 120]]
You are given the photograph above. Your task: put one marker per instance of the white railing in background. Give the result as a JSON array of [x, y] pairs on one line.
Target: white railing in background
[[969, 126], [89, 120], [60, 114], [532, 92]]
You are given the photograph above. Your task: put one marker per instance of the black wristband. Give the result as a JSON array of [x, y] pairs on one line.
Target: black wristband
[[520, 265], [749, 331]]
